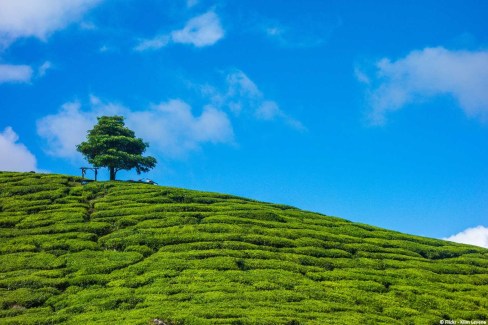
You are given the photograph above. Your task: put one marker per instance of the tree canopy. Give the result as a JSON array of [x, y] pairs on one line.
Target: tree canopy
[[111, 144]]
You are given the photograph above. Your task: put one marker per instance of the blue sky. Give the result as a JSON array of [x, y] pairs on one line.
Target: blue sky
[[374, 111]]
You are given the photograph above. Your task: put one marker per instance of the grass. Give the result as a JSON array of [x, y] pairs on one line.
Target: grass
[[128, 253]]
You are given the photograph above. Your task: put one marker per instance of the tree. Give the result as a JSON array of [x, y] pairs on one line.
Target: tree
[[110, 144]]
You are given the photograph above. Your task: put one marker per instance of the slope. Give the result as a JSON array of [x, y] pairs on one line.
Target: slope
[[124, 253]]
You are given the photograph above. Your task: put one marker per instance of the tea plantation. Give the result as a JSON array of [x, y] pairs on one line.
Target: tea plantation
[[129, 253]]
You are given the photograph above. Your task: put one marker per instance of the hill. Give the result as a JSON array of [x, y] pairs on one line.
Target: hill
[[125, 253]]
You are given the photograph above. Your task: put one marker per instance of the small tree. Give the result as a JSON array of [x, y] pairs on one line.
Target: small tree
[[110, 144]]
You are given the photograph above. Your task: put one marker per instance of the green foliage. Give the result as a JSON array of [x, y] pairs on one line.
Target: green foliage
[[111, 144], [130, 253]]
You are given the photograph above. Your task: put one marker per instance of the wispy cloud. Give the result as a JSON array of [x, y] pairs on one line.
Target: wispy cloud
[[33, 18], [269, 110], [477, 236], [66, 129], [41, 71], [21, 73], [153, 44], [427, 73], [14, 156], [200, 31], [10, 73], [242, 96], [241, 92], [171, 128], [287, 36], [191, 3], [302, 32]]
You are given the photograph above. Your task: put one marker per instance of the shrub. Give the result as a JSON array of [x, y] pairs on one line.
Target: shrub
[[128, 253], [93, 262], [25, 297], [20, 261], [141, 249]]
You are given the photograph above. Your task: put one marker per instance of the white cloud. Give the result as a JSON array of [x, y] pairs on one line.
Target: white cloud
[[200, 31], [15, 156], [239, 85], [361, 76], [293, 37], [191, 3], [171, 128], [15, 73], [34, 18], [308, 31], [11, 73], [153, 44], [64, 130], [477, 236], [41, 71], [243, 94], [268, 110], [427, 73]]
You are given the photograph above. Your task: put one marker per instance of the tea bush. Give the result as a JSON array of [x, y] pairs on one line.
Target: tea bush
[[128, 253]]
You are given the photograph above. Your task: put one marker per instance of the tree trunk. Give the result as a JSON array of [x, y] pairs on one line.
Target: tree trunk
[[112, 173]]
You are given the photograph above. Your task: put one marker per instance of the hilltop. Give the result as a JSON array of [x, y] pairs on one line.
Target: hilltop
[[128, 253]]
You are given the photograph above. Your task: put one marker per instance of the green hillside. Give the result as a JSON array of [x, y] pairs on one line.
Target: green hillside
[[125, 253]]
